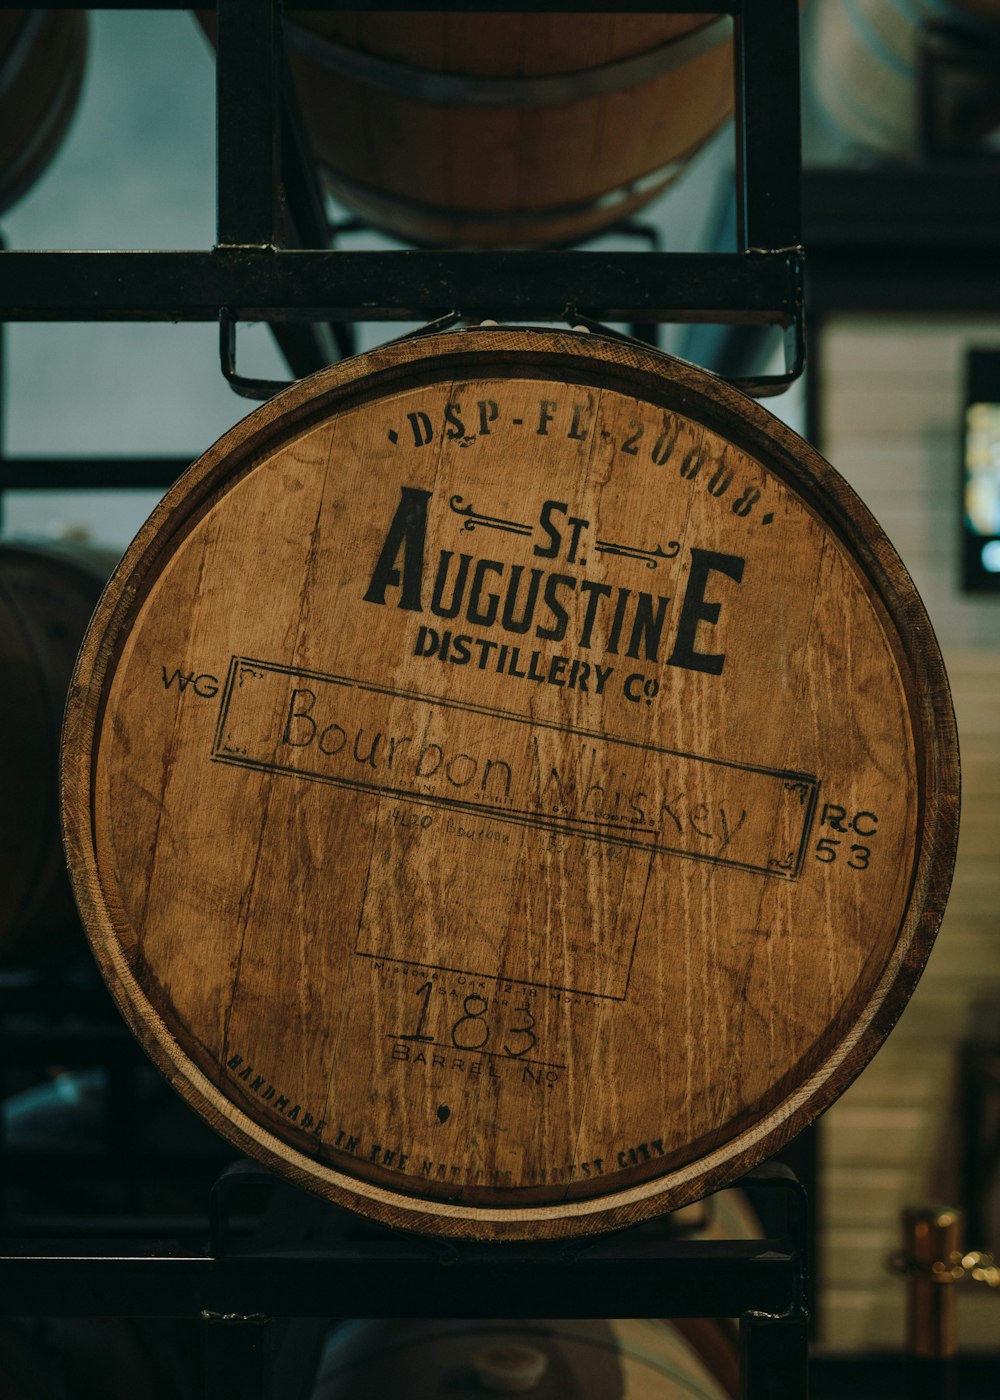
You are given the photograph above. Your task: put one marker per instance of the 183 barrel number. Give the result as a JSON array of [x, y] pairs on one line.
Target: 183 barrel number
[[473, 1031]]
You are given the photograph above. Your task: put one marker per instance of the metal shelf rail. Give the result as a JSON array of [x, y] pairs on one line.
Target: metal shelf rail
[[272, 262], [213, 1268], [238, 1288], [309, 293]]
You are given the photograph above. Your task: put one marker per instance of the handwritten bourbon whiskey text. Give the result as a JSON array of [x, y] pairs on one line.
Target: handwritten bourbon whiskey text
[[307, 724]]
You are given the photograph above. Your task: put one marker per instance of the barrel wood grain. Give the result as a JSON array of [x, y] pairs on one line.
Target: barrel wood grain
[[510, 784]]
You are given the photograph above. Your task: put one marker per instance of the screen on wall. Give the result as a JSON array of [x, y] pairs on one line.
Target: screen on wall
[[981, 473]]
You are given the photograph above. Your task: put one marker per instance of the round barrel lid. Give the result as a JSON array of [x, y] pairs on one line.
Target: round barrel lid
[[511, 783]]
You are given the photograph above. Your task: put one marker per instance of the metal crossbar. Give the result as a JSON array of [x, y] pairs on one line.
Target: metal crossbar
[[264, 169]]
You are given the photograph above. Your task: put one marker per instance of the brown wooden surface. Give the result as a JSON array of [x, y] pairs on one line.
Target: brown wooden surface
[[45, 604], [431, 172], [578, 920], [43, 74]]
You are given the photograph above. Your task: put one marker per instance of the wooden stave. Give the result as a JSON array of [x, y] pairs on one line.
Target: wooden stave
[[862, 68], [843, 511], [40, 98]]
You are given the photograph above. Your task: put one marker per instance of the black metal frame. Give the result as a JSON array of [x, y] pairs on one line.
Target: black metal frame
[[308, 292], [219, 1268], [237, 1288], [242, 1286], [267, 192]]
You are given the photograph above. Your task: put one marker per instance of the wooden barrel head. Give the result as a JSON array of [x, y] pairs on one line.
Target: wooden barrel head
[[511, 783]]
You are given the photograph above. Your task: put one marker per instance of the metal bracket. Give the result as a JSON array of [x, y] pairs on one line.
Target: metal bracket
[[263, 389], [763, 386], [759, 386], [259, 389]]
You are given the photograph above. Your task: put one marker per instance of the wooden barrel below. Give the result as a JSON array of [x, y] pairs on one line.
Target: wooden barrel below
[[454, 1360], [511, 783]]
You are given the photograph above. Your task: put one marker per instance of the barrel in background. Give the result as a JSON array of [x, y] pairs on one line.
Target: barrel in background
[[861, 68], [506, 129], [627, 1359], [42, 59]]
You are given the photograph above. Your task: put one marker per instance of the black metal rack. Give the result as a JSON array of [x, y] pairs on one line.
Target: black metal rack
[[219, 1271], [273, 262], [263, 171], [237, 1289]]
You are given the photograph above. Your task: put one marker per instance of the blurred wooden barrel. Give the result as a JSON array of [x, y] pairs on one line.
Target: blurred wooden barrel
[[626, 1359], [511, 784], [861, 66], [42, 58], [506, 129], [46, 599]]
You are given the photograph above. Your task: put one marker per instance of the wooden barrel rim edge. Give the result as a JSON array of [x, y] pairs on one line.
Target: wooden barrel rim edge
[[923, 674], [880, 1003]]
